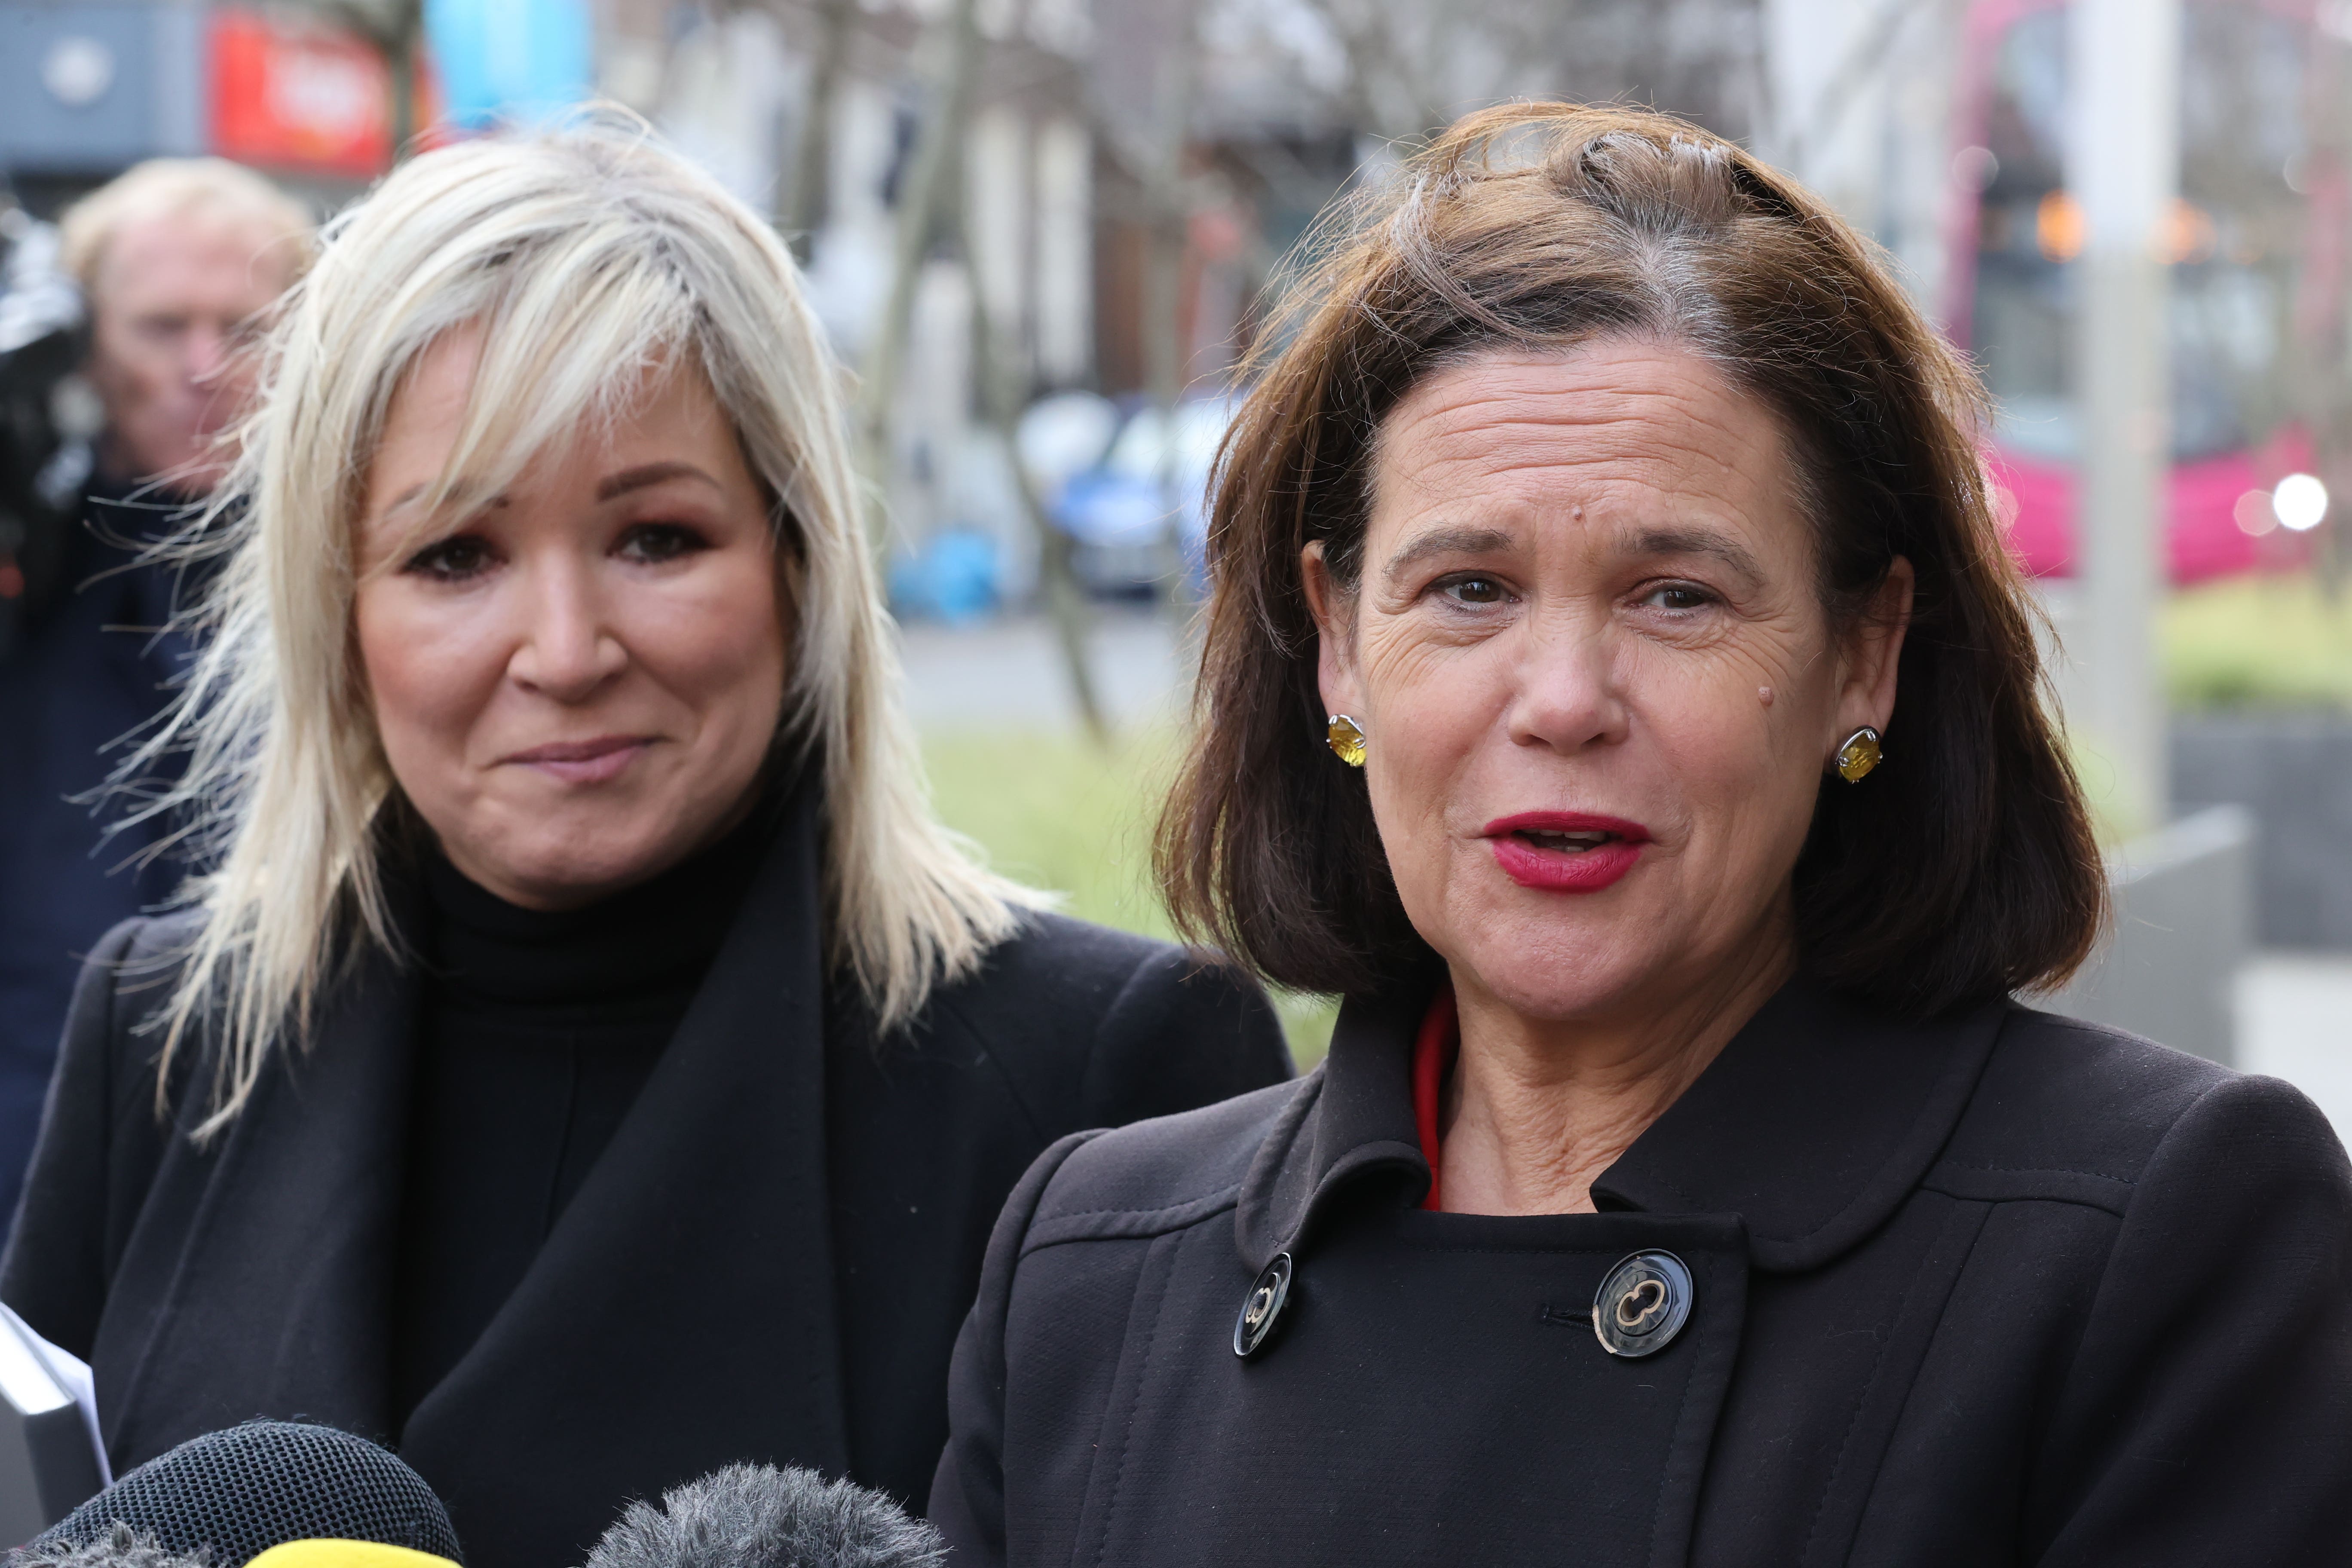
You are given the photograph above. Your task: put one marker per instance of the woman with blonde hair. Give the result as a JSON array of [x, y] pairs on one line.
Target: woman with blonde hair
[[583, 1059]]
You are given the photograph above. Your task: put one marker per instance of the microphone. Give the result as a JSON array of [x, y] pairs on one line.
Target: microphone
[[231, 1496], [121, 1547], [755, 1516]]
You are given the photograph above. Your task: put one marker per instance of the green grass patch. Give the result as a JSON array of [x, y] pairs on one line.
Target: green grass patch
[[1058, 812], [2259, 642]]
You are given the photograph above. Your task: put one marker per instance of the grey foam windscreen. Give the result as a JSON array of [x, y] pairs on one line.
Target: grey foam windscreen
[[755, 1516]]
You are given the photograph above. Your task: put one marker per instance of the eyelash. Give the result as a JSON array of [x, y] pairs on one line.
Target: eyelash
[[1449, 585], [668, 542], [1702, 595]]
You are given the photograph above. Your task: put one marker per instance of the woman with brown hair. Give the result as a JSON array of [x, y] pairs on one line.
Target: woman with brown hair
[[1617, 690]]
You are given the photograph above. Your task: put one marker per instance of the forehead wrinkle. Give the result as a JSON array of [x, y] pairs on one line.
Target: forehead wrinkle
[[1602, 405]]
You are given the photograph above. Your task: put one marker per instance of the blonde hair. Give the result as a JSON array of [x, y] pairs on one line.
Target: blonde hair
[[212, 189], [585, 256]]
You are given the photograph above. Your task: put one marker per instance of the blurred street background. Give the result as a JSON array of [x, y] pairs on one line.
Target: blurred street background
[[1041, 233]]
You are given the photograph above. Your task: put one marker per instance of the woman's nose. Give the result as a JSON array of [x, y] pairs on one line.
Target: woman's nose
[[567, 649], [1568, 694]]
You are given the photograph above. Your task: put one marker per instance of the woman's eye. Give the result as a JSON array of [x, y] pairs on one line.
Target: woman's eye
[[1474, 591], [451, 560], [656, 542], [1678, 596]]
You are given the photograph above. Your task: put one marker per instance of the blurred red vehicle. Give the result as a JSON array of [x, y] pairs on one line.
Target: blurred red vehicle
[[2243, 273]]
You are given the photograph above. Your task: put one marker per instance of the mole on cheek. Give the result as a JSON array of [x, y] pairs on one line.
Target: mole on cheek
[[1764, 694]]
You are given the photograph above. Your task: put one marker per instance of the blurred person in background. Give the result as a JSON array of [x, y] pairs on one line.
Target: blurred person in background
[[177, 261], [1683, 1182], [585, 1060]]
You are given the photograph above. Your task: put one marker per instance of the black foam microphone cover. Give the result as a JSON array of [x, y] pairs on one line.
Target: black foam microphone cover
[[754, 1516], [240, 1492]]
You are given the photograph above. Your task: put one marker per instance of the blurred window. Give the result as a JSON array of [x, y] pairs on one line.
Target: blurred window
[[2235, 235]]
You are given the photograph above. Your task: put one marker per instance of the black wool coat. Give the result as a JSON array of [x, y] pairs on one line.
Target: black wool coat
[[769, 1262], [2000, 1289]]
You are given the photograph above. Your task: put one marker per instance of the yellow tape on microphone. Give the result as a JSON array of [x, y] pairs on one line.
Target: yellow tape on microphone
[[345, 1554]]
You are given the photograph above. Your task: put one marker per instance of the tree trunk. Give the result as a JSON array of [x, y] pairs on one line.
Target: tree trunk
[[1164, 348], [955, 46], [810, 198]]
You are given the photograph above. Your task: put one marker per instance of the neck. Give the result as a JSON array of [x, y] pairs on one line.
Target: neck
[[1538, 1108]]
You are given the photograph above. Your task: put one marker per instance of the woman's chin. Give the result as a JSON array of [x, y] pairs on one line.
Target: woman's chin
[[575, 864], [1551, 982]]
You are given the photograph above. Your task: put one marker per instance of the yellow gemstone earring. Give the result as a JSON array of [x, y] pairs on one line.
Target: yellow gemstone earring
[[1860, 753], [1346, 738]]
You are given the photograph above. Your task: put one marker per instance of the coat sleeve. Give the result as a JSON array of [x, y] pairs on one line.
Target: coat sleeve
[[2207, 1415], [968, 1491], [1182, 1034], [55, 1271]]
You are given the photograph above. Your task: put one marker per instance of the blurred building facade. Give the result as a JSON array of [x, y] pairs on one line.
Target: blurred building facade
[[90, 87]]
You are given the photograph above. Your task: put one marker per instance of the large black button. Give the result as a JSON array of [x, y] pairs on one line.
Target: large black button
[[1642, 1304], [1262, 1308]]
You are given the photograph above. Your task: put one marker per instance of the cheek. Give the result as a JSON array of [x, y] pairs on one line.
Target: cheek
[[1745, 770], [430, 668], [718, 642], [1436, 707]]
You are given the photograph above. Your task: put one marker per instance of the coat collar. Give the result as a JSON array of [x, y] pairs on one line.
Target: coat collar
[[1817, 1119], [685, 1301], [703, 1232]]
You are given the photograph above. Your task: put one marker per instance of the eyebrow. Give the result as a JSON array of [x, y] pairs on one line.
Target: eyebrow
[[620, 484], [1696, 542], [650, 474], [1469, 541], [1447, 541]]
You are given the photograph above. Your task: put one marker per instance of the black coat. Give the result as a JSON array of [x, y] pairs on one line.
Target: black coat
[[2004, 1289], [769, 1261], [91, 668]]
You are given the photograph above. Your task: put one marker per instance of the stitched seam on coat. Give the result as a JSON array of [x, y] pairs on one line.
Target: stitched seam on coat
[[1030, 1250], [1861, 1403], [1134, 1413], [2035, 1170], [2093, 1205], [1212, 1195]]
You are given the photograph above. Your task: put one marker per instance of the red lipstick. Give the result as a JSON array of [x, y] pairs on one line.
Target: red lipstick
[[1566, 851]]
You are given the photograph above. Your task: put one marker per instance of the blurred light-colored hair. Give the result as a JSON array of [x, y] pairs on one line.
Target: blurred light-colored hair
[[586, 255], [205, 190]]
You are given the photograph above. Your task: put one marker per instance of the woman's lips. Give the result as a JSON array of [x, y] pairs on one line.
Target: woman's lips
[[1566, 851], [585, 762]]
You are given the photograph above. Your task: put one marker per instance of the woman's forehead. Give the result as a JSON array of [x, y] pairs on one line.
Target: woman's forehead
[[1616, 426], [667, 416]]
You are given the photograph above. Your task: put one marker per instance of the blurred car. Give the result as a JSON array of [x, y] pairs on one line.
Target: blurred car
[[1136, 503]]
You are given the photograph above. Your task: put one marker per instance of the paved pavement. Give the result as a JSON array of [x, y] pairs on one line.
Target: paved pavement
[[2295, 1011], [1009, 673]]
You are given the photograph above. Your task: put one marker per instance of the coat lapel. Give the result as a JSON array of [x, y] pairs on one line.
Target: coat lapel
[[1814, 1123], [703, 1231], [279, 1286]]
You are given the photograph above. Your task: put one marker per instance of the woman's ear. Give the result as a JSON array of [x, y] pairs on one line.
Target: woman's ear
[[1873, 651], [1335, 666]]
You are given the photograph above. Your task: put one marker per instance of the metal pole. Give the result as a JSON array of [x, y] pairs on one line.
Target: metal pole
[[2124, 160]]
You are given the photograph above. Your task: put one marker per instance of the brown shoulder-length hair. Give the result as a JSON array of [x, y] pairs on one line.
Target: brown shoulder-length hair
[[1964, 868]]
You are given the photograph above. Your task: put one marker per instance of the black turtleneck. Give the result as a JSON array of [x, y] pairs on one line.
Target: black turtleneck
[[536, 1031]]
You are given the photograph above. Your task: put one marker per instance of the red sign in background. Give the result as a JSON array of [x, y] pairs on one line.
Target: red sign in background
[[300, 96]]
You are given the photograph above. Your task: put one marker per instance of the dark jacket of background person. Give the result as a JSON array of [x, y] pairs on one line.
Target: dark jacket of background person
[[1912, 1243], [769, 1262], [89, 670]]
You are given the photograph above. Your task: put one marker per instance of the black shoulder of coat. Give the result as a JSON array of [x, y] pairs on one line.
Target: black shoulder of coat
[[1165, 1174], [1096, 1027], [2072, 1111], [103, 1136]]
